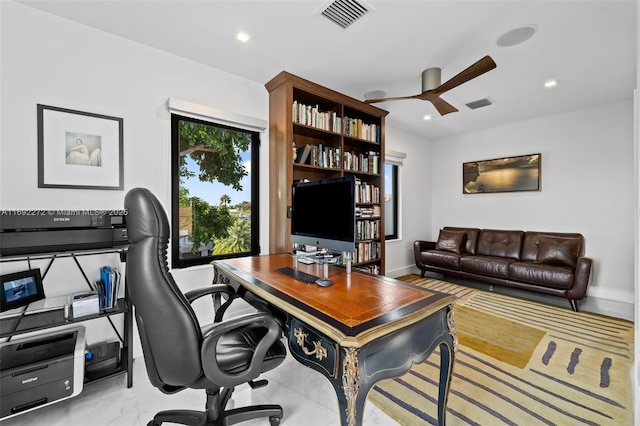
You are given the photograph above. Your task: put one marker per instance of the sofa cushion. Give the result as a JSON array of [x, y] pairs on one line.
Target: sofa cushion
[[492, 242], [470, 240], [559, 251], [560, 277], [441, 259], [531, 243], [451, 240], [486, 265]]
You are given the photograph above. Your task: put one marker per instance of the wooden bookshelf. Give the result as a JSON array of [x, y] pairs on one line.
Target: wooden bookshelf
[[341, 136]]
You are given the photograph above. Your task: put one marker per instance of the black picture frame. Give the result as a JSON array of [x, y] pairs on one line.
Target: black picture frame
[[79, 150], [508, 174], [28, 282]]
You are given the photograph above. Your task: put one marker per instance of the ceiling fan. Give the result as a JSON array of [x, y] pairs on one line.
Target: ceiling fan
[[432, 89]]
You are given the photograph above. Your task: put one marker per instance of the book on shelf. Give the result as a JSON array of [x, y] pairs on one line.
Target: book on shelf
[[311, 115], [367, 229], [368, 162], [108, 286], [320, 155], [303, 154], [366, 251], [370, 269], [356, 128], [367, 193]]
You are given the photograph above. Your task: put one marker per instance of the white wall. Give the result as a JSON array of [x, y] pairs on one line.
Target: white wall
[[587, 186], [52, 61], [415, 203]]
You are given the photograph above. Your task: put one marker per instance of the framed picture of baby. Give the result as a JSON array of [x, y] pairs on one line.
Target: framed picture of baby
[[80, 150]]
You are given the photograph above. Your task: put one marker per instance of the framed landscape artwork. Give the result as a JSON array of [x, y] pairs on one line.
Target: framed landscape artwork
[[79, 150], [509, 174]]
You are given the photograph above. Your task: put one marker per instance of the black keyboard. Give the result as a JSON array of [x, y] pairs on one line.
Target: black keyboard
[[298, 275]]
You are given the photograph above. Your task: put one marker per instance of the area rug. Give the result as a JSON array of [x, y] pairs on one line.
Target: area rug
[[519, 362]]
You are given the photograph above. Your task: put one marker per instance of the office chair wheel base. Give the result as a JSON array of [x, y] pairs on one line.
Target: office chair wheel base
[[274, 420]]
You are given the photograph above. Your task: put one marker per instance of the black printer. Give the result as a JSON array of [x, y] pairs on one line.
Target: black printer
[[40, 370]]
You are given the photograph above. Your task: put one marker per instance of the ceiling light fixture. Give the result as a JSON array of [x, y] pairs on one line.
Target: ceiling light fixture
[[426, 117], [550, 83], [517, 35], [375, 94], [244, 37]]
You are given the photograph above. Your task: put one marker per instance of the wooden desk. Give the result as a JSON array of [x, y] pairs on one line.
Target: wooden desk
[[355, 332]]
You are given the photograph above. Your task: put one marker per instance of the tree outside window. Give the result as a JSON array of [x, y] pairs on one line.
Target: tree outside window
[[215, 200]]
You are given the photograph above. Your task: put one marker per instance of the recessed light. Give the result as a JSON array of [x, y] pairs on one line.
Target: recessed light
[[426, 117], [550, 83], [244, 37], [517, 35], [375, 94]]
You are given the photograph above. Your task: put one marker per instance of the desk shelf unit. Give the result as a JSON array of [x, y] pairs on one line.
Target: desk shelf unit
[[333, 135], [22, 324]]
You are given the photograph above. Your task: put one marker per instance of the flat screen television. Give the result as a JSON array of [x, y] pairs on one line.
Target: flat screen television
[[20, 289], [323, 214]]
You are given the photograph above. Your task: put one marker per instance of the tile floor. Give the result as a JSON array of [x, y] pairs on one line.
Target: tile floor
[[306, 397]]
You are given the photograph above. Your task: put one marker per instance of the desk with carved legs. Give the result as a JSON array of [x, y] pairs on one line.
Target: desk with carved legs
[[359, 330]]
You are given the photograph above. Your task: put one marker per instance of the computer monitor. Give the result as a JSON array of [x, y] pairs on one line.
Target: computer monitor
[[20, 289], [323, 214]]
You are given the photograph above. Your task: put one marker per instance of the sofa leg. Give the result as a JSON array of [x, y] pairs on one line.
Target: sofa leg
[[574, 305], [421, 274]]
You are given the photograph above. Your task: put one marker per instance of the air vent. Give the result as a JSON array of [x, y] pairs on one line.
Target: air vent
[[480, 103], [344, 13]]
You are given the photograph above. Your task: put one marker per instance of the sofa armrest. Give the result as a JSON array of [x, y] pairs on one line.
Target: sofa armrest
[[581, 279], [418, 247]]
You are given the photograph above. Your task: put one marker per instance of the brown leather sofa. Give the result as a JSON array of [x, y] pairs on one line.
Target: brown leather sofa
[[545, 262]]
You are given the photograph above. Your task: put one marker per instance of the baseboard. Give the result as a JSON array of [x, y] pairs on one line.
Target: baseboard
[[608, 294]]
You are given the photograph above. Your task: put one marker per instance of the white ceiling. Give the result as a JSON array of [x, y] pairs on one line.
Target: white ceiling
[[588, 46]]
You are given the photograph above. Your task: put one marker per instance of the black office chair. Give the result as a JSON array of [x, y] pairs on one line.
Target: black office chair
[[178, 352]]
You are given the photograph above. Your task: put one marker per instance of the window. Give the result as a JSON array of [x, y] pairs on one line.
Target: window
[[392, 197], [214, 191], [390, 201]]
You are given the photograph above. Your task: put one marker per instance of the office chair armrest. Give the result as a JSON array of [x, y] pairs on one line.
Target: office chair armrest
[[214, 333], [216, 290]]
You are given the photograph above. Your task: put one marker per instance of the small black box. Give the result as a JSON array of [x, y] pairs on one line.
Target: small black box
[[101, 360]]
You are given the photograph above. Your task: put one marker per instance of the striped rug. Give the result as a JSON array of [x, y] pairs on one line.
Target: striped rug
[[519, 363]]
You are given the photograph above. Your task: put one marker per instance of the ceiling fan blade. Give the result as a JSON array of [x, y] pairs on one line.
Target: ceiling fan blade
[[441, 105], [397, 98], [482, 66]]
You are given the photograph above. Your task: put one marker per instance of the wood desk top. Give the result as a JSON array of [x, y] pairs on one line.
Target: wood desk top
[[354, 310]]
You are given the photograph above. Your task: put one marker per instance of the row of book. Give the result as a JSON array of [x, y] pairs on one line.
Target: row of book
[[367, 229], [368, 162], [108, 287], [357, 128], [367, 193], [366, 251], [321, 156], [326, 156], [311, 115], [370, 211], [371, 269]]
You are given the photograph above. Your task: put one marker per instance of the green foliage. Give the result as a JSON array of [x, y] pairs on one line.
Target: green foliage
[[209, 222], [244, 206], [238, 239], [216, 151]]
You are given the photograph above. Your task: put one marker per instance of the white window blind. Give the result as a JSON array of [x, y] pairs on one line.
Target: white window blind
[[215, 115]]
